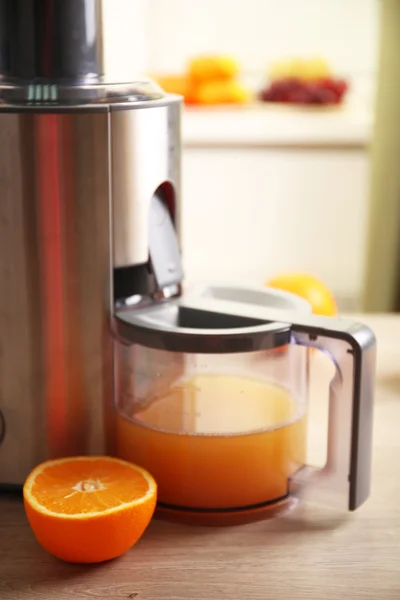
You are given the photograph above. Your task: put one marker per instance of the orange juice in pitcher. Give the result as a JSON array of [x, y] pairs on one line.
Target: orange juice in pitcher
[[217, 442]]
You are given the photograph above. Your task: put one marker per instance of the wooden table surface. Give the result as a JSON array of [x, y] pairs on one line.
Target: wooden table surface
[[318, 556]]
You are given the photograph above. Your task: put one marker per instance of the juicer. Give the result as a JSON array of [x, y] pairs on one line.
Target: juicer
[[90, 197], [102, 351]]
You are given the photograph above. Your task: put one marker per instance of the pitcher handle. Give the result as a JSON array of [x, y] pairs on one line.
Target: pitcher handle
[[346, 476]]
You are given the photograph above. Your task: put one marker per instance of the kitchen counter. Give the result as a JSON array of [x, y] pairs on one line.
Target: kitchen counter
[[312, 556], [264, 125]]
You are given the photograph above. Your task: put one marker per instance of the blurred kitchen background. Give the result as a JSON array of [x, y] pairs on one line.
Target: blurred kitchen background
[[271, 186]]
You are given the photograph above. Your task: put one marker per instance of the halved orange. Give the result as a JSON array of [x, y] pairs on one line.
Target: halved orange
[[89, 509]]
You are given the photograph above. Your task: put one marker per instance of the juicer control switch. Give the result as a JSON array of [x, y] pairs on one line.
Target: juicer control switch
[[164, 249]]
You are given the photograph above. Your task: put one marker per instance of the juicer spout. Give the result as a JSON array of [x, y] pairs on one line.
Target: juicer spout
[[161, 276], [164, 251]]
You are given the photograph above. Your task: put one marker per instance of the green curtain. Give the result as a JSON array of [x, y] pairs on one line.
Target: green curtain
[[382, 270]]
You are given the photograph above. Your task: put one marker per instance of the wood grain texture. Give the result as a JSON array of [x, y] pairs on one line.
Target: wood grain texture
[[309, 554]]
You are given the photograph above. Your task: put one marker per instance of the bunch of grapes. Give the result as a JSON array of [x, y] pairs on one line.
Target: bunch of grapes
[[297, 91]]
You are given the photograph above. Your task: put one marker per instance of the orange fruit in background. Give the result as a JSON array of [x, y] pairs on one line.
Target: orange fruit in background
[[308, 287], [221, 92], [177, 84], [173, 84], [89, 509], [212, 68]]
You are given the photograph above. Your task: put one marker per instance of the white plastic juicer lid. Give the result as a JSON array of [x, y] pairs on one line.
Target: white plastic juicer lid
[[214, 319], [260, 296]]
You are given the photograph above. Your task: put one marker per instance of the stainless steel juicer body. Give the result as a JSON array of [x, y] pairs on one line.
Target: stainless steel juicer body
[[81, 163]]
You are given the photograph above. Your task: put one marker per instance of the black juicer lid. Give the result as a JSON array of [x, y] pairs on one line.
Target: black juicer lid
[[51, 52], [57, 40]]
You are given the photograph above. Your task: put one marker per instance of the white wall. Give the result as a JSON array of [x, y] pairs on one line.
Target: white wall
[[126, 38], [160, 35], [259, 31], [251, 213]]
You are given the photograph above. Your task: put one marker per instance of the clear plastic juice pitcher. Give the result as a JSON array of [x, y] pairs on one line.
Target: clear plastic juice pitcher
[[211, 398]]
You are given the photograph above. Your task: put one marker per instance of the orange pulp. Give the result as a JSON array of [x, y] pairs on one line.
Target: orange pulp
[[218, 441]]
